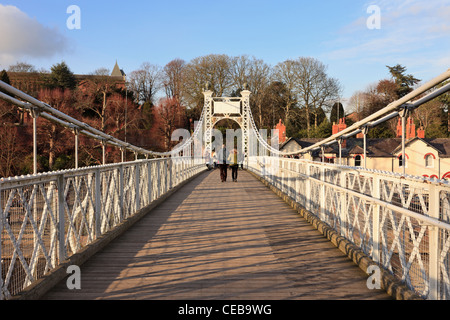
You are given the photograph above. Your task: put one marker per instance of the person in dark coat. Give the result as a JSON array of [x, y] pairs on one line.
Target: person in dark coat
[[222, 158]]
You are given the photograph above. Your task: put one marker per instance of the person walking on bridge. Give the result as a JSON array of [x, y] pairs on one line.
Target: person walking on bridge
[[234, 164], [222, 158]]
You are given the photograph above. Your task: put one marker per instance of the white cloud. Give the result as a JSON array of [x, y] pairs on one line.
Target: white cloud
[[414, 33], [24, 37], [408, 28]]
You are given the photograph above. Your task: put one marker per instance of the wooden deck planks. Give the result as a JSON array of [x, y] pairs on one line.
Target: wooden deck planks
[[221, 241]]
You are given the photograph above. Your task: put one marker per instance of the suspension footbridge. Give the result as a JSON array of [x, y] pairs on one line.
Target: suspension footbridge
[[164, 228]]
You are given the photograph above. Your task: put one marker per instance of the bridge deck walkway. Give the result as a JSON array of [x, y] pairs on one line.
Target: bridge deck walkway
[[214, 240]]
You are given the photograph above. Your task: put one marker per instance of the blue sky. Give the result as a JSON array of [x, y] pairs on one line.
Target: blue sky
[[413, 33]]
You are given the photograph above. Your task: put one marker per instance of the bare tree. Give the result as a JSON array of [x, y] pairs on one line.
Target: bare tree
[[429, 113], [145, 82], [169, 115], [356, 104], [55, 137], [173, 79], [273, 100], [254, 73], [21, 66], [99, 87], [240, 67], [286, 73], [213, 69], [10, 154], [315, 89]]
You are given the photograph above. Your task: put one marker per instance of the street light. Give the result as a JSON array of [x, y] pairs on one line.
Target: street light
[[126, 114]]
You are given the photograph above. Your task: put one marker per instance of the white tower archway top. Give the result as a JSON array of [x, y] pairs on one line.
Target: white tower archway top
[[233, 108]]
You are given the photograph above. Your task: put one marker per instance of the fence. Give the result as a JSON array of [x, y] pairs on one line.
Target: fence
[[48, 217], [402, 223]]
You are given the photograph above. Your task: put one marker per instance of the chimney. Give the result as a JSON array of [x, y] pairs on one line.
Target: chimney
[[340, 127], [421, 133], [399, 127], [336, 128], [281, 132], [410, 129]]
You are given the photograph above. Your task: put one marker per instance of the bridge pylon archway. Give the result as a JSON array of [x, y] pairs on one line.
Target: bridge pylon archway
[[232, 108]]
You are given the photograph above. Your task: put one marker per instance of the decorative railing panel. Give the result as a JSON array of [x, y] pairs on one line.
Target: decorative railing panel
[[401, 222], [46, 218]]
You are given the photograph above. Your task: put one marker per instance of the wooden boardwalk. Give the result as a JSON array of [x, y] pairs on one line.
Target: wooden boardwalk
[[221, 241]]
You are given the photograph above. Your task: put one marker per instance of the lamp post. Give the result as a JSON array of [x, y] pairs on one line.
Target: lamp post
[[124, 153]]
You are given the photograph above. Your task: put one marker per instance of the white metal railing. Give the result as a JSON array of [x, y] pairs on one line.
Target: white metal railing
[[401, 222], [46, 218]]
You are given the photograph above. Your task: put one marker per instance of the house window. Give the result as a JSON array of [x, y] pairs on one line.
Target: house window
[[358, 161], [429, 161], [400, 162]]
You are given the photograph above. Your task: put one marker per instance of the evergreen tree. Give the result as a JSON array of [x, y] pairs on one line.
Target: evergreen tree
[[147, 115], [4, 76], [61, 77], [404, 82], [337, 112], [324, 130]]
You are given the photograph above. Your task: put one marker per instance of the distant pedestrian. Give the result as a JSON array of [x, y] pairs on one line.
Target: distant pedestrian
[[234, 164], [214, 160], [222, 159], [241, 160], [208, 161]]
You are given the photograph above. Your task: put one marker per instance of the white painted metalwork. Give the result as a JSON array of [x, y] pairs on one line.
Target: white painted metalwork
[[48, 217], [401, 222], [219, 108]]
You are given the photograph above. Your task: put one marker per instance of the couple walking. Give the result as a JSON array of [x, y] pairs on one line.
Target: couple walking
[[226, 158]]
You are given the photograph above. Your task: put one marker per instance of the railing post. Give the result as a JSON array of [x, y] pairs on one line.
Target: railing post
[[169, 173], [376, 219], [98, 203], [404, 114], [122, 155], [343, 215], [137, 180], [277, 175], [365, 131], [76, 132], [103, 152], [291, 181], [286, 177], [434, 267], [158, 179], [61, 218], [322, 193], [166, 177], [150, 179], [121, 192], [308, 187], [34, 114], [297, 182]]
